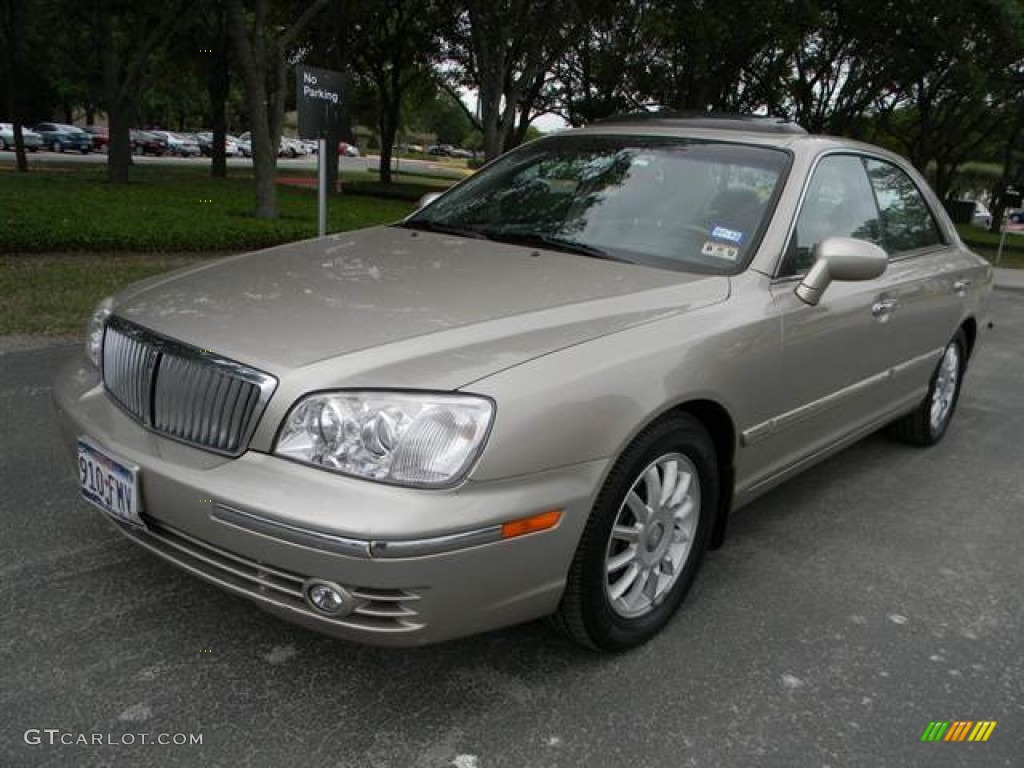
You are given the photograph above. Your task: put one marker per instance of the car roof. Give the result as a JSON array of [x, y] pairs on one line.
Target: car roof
[[746, 129]]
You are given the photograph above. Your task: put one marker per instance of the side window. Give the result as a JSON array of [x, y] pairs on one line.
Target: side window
[[839, 203], [907, 223]]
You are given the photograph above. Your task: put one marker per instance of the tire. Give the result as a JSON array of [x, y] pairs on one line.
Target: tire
[[58, 147], [3, 146], [927, 424], [602, 608]]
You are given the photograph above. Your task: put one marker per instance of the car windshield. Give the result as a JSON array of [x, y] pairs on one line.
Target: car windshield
[[682, 204]]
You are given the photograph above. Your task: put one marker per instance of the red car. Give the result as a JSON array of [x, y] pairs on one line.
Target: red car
[[100, 137]]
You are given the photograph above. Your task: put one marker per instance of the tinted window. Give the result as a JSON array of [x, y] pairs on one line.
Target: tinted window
[[907, 223], [839, 203]]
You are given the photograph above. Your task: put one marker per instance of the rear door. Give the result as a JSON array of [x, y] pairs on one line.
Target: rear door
[[929, 278]]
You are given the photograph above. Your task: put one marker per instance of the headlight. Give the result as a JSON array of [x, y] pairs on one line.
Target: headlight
[[94, 332], [427, 440]]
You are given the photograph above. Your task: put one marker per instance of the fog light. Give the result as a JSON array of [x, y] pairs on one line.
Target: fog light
[[327, 598]]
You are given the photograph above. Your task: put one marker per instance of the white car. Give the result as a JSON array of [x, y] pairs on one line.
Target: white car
[[982, 216], [32, 140], [290, 147], [244, 143]]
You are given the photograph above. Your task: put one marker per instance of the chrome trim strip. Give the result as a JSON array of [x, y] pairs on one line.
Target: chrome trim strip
[[154, 545], [435, 545], [759, 432], [383, 549], [305, 537]]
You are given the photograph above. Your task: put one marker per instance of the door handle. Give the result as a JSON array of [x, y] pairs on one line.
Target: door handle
[[961, 286], [881, 309]]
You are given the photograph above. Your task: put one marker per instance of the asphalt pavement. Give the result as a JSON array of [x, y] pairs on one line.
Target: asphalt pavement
[[850, 608]]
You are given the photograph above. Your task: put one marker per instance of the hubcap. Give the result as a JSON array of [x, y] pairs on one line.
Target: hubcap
[[652, 535], [945, 387]]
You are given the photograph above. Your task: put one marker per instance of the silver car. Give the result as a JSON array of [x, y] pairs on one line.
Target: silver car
[[542, 394]]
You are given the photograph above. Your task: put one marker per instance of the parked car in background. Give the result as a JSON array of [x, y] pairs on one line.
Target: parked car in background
[[542, 393], [244, 144], [62, 138], [291, 147], [461, 153], [982, 216], [440, 150], [32, 140], [100, 137], [312, 146], [179, 144], [347, 150], [205, 139], [147, 143]]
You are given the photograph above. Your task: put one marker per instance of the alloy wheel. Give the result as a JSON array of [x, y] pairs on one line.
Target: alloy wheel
[[944, 391], [653, 535]]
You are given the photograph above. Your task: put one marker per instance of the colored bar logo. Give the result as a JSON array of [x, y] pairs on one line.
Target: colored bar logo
[[958, 730]]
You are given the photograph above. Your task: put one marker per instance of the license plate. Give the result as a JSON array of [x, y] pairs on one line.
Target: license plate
[[110, 484]]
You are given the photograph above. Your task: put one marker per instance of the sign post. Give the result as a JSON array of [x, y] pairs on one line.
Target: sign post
[[318, 96]]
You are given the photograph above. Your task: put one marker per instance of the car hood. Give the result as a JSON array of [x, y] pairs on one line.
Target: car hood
[[405, 308]]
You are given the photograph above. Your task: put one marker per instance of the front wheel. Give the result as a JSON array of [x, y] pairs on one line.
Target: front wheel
[[645, 538], [927, 423]]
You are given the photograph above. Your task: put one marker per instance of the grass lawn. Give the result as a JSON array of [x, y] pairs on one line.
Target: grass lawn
[[54, 295], [165, 209], [68, 237], [986, 244]]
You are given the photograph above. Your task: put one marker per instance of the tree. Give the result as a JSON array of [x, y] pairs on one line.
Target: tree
[[125, 37], [596, 77], [958, 86], [506, 50], [11, 29], [264, 42], [394, 46]]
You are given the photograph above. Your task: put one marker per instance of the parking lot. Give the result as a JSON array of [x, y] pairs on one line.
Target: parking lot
[[45, 158], [848, 609]]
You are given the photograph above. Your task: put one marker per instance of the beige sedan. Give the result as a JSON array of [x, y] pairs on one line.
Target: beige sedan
[[542, 394]]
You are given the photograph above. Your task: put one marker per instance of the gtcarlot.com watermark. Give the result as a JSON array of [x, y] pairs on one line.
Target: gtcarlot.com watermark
[[56, 737]]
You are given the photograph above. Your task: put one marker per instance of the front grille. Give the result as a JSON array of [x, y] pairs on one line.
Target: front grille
[[185, 393], [381, 610]]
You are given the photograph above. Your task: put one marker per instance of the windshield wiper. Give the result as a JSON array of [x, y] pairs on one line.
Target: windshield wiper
[[550, 241], [432, 226]]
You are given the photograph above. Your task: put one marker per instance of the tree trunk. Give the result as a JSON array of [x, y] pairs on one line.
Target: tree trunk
[[388, 128], [218, 84], [254, 57], [19, 147], [9, 64], [119, 144]]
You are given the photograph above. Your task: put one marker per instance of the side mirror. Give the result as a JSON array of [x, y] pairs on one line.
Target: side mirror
[[428, 198], [841, 258]]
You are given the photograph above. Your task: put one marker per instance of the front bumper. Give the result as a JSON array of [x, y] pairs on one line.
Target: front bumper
[[419, 566]]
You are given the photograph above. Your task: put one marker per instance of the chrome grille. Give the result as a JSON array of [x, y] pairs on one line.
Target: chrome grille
[[127, 372], [185, 393]]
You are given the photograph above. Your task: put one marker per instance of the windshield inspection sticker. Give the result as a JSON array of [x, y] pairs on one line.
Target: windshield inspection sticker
[[723, 233], [720, 251]]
